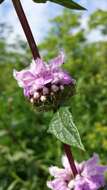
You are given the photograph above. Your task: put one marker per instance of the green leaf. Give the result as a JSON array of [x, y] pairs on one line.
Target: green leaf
[[69, 4], [1, 1], [40, 1], [66, 3], [12, 185], [63, 127]]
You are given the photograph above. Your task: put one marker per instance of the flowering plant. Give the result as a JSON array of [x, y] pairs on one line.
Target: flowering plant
[[45, 85]]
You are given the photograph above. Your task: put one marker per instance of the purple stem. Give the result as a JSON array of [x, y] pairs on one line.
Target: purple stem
[[25, 25], [35, 52], [69, 155]]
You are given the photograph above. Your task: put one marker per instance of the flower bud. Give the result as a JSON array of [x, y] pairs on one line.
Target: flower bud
[[36, 95], [61, 87], [45, 91], [32, 100], [54, 88], [43, 98]]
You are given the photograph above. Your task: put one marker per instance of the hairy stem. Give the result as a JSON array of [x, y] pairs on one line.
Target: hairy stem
[[25, 25], [69, 155]]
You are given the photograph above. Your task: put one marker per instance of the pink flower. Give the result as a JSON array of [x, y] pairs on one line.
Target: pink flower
[[90, 176], [42, 79]]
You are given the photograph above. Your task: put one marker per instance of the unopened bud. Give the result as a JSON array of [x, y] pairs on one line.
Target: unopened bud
[[54, 88], [45, 91], [43, 98], [36, 95], [32, 100], [52, 93], [61, 87]]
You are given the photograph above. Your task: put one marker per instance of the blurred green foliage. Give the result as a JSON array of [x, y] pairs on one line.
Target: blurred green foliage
[[26, 150]]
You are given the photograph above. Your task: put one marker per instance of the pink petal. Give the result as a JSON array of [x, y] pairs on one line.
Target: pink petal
[[59, 173], [50, 184], [66, 165], [82, 183], [58, 61], [90, 165], [38, 84], [57, 184], [47, 78], [67, 79], [40, 66], [65, 162], [27, 92], [37, 67], [24, 77]]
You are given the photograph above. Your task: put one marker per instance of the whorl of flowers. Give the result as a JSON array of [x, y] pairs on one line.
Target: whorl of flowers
[[43, 81], [90, 175]]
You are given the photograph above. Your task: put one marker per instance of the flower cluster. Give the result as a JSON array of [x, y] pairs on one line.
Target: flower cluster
[[90, 175], [43, 81]]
